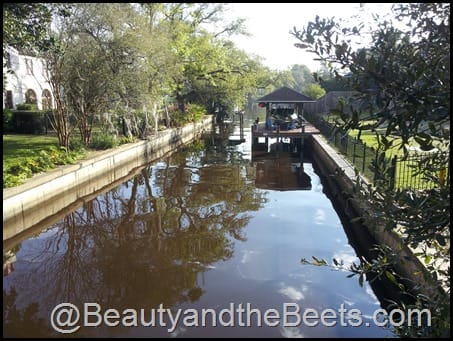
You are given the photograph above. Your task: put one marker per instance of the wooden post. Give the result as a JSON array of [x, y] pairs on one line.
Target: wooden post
[[302, 143]]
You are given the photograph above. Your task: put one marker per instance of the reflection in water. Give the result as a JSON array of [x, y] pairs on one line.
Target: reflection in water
[[142, 244], [199, 229], [281, 174]]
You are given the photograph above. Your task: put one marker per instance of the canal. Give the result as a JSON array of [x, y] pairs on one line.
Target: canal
[[209, 233]]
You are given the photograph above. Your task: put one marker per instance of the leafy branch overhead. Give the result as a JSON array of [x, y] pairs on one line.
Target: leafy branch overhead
[[401, 84]]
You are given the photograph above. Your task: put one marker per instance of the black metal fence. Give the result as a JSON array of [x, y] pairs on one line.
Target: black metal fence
[[399, 172]]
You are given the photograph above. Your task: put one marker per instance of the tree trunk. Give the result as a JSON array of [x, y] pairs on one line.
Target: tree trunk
[[181, 102]]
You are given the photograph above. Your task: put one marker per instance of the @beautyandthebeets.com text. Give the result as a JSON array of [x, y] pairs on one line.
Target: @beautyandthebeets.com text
[[67, 318]]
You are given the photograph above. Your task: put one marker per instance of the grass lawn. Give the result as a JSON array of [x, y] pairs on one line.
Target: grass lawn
[[369, 138], [406, 169], [24, 155], [16, 147]]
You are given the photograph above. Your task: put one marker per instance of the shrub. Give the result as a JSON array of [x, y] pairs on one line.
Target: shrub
[[10, 180], [76, 145], [16, 172], [194, 112], [127, 139], [103, 141], [28, 122], [7, 120], [27, 106]]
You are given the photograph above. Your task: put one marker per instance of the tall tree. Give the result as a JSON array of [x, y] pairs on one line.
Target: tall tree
[[303, 77], [403, 86], [56, 76], [25, 26], [199, 56]]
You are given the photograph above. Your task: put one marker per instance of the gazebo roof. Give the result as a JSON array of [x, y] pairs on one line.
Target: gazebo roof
[[285, 95]]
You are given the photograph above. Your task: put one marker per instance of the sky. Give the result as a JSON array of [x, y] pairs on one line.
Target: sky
[[270, 24]]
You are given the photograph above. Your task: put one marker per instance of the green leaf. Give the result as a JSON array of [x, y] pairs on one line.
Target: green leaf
[[392, 278], [361, 280], [304, 261]]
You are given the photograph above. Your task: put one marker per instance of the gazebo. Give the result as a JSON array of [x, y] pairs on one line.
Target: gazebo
[[284, 123], [283, 104]]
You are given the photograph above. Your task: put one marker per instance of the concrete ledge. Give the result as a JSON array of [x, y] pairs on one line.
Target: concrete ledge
[[47, 194], [341, 178]]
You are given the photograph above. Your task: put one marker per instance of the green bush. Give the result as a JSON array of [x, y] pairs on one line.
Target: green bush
[[27, 106], [127, 139], [7, 120], [16, 172], [103, 141], [10, 180], [28, 122], [194, 112], [76, 145]]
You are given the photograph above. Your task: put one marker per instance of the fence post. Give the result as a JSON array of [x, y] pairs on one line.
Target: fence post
[[363, 158], [375, 175], [392, 173], [346, 139], [354, 141]]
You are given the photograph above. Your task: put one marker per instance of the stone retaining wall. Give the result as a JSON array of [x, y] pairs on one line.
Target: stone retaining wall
[[59, 188], [340, 177]]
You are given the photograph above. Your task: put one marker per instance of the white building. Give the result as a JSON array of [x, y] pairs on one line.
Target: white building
[[26, 82]]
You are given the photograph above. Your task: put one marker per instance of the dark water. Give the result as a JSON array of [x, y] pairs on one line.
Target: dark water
[[204, 231]]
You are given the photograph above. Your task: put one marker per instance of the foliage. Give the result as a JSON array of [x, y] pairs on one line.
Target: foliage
[[127, 139], [207, 69], [7, 120], [314, 91], [55, 73], [382, 267], [25, 26], [402, 81], [27, 107], [194, 113], [17, 170], [103, 141], [196, 146], [303, 78], [329, 82], [28, 122]]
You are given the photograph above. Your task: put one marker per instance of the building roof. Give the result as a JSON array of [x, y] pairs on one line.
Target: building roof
[[285, 95]]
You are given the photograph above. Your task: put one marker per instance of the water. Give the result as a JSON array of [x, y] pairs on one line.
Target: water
[[202, 232]]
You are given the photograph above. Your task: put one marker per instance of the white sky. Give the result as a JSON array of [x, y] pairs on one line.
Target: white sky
[[270, 24]]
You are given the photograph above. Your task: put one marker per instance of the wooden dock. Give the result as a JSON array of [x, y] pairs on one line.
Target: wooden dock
[[259, 130], [288, 140]]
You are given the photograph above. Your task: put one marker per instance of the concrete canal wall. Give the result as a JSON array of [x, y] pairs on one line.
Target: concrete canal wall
[[59, 188], [340, 177]]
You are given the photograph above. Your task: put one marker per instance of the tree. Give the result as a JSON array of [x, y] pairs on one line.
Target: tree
[[25, 27], [303, 77], [104, 64], [201, 58], [314, 91], [326, 78], [402, 82], [59, 117]]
